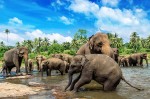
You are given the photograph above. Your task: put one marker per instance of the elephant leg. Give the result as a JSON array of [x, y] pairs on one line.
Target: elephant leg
[[48, 72], [74, 82], [110, 85], [61, 71], [86, 78]]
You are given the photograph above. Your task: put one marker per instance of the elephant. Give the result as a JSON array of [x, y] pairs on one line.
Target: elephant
[[30, 65], [124, 62], [137, 59], [102, 68], [52, 64], [65, 57], [97, 44], [6, 70], [116, 54], [119, 60], [13, 58], [39, 60]]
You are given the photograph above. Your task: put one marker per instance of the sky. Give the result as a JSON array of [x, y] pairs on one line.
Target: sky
[[61, 19]]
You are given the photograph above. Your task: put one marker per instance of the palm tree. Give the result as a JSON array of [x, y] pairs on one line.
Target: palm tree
[[2, 44], [18, 44], [135, 41], [7, 32]]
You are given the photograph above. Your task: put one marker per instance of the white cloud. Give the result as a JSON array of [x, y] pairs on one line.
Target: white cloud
[[115, 20], [83, 6], [12, 38], [66, 20], [59, 2], [15, 20], [54, 36], [112, 3]]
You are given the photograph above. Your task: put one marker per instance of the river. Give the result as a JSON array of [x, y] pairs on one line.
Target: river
[[137, 76]]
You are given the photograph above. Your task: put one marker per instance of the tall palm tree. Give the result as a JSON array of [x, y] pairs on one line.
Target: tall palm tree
[[7, 32], [18, 44], [135, 41]]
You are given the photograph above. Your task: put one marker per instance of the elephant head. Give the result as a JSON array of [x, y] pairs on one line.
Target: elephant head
[[99, 44], [144, 56], [39, 60], [116, 53], [23, 53], [44, 66], [76, 66]]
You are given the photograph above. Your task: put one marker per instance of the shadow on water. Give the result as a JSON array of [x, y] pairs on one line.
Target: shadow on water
[[137, 76]]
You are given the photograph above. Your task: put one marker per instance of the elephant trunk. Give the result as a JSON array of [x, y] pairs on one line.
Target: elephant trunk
[[26, 63], [42, 71], [146, 61], [70, 74], [39, 62]]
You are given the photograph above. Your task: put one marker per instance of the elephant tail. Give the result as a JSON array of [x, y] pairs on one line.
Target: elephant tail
[[130, 84]]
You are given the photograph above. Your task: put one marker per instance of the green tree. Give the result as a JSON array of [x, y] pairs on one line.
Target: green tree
[[18, 44], [79, 39], [135, 42], [2, 44]]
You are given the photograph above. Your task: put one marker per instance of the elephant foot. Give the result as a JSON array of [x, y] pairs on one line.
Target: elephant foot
[[19, 74]]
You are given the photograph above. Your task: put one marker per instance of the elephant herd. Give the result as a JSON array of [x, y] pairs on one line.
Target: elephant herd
[[133, 60], [95, 60]]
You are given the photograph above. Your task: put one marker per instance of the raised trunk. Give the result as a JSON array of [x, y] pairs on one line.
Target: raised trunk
[[70, 80]]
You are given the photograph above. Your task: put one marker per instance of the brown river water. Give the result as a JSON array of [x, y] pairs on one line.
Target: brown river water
[[137, 76]]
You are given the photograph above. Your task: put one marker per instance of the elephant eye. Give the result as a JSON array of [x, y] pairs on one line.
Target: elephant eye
[[100, 44]]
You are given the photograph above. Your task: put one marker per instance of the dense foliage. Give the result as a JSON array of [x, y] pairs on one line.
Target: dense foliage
[[45, 47]]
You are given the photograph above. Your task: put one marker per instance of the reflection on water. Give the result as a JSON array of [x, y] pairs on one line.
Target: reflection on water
[[137, 76]]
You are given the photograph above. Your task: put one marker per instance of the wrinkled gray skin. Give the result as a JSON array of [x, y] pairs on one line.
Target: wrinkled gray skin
[[52, 64], [97, 44], [39, 60], [30, 65], [98, 67], [116, 54], [65, 57], [13, 58], [137, 59]]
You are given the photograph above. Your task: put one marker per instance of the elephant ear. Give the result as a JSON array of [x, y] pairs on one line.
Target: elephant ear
[[91, 43], [84, 60]]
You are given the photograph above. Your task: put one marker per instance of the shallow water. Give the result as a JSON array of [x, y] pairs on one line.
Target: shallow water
[[137, 76]]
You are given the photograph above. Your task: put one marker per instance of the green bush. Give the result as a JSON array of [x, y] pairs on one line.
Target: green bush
[[71, 52]]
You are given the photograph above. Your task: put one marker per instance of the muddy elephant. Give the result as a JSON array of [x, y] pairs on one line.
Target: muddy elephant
[[101, 68], [97, 44], [65, 57], [13, 58], [52, 64], [39, 60], [30, 65], [137, 59], [116, 54]]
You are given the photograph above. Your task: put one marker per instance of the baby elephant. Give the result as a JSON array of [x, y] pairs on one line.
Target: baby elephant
[[30, 65], [52, 64], [99, 67]]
